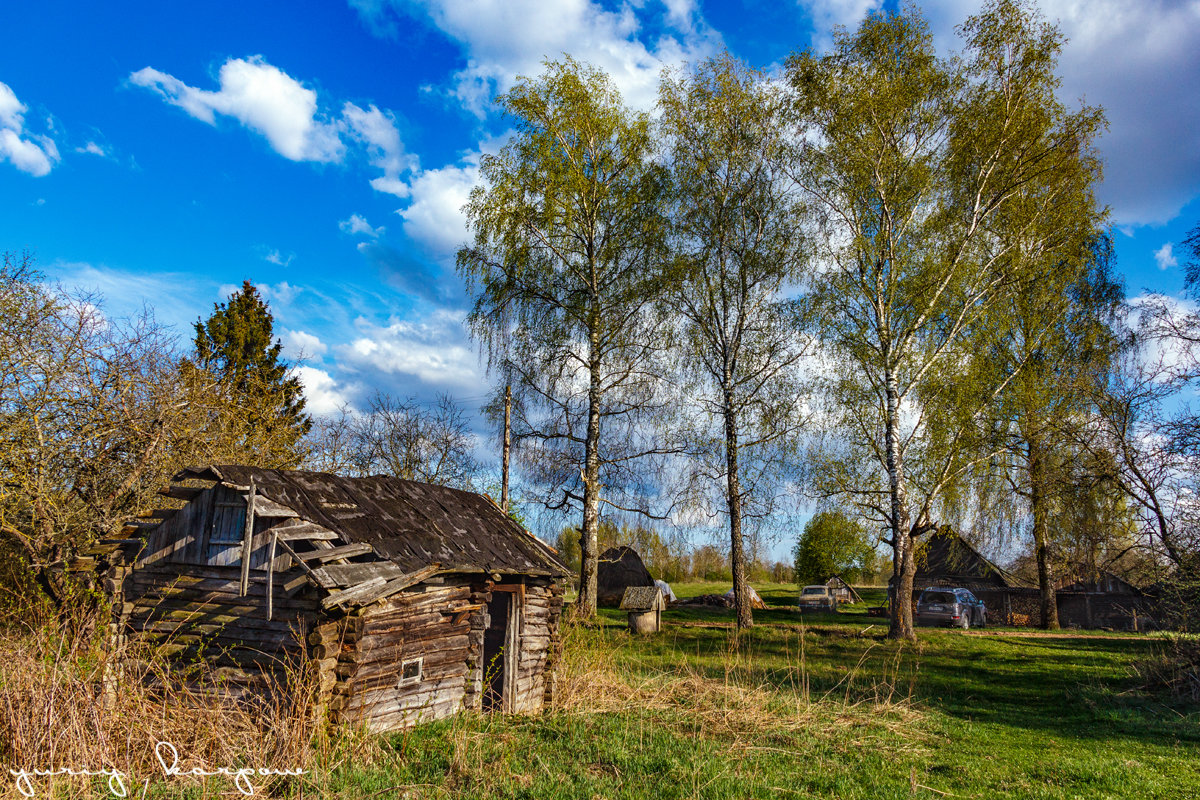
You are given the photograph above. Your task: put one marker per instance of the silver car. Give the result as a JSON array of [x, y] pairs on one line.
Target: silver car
[[950, 606], [818, 598]]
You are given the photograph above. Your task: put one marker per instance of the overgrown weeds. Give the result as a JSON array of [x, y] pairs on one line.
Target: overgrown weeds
[[1173, 668], [69, 704]]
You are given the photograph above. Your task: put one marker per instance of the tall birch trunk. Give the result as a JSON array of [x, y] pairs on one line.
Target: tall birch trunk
[[586, 605], [1041, 535], [733, 499], [902, 542]]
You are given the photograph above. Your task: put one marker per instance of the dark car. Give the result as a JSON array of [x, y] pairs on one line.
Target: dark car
[[950, 606]]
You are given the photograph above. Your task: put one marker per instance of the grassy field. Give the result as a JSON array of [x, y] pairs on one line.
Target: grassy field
[[819, 706]]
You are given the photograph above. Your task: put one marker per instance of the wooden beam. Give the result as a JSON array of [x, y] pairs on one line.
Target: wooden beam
[[271, 578], [333, 553], [353, 593], [299, 530], [350, 574], [247, 539], [403, 582], [378, 589], [320, 580], [266, 507], [181, 492]]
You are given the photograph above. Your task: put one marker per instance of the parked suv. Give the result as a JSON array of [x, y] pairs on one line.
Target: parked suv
[[950, 606], [818, 598]]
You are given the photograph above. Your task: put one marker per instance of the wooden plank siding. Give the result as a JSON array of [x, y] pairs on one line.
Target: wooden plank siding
[[344, 601]]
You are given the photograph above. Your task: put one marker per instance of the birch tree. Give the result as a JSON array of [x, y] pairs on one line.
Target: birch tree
[[921, 169], [737, 243], [569, 239]]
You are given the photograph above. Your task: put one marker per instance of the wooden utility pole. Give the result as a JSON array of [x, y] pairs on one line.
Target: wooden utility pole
[[507, 447]]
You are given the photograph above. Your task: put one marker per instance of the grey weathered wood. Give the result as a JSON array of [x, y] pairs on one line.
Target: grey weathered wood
[[354, 593], [402, 583], [271, 580], [298, 530], [345, 551], [181, 492], [266, 507], [349, 574], [321, 580], [248, 539]]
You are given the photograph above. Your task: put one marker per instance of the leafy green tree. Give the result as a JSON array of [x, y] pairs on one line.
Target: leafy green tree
[[832, 544], [236, 345], [737, 240], [1059, 341], [569, 237], [928, 176]]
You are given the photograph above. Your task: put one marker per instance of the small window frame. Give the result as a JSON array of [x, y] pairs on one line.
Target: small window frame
[[411, 680]]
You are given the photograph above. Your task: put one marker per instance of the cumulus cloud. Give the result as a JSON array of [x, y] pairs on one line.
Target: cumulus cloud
[[502, 39], [322, 394], [357, 225], [261, 97], [1165, 258], [301, 344], [278, 296], [376, 130], [28, 152], [825, 14], [1138, 61], [434, 218], [433, 349]]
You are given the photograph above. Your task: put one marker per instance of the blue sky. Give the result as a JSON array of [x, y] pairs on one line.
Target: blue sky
[[161, 153]]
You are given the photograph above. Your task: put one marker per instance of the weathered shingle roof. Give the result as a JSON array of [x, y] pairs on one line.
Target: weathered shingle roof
[[412, 524]]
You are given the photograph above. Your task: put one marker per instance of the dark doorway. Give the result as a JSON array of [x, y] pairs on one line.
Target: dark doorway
[[495, 655]]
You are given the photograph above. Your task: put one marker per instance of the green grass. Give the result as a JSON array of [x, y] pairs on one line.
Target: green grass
[[812, 706]]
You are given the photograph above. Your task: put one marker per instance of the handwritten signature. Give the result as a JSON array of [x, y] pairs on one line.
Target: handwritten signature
[[168, 759]]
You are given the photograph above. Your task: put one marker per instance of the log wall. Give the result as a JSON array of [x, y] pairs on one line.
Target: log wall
[[366, 652], [191, 613]]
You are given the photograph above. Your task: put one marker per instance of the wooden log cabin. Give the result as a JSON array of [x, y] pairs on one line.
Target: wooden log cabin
[[412, 601]]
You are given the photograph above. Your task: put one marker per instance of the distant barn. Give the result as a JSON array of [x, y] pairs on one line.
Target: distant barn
[[414, 601], [619, 568]]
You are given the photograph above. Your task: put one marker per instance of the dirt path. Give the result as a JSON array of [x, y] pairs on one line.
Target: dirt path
[[1059, 634]]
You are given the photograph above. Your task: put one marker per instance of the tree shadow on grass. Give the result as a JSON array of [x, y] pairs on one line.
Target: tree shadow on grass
[[1079, 687]]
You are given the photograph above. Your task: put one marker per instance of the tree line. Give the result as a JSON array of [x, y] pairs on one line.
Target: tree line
[[881, 278]]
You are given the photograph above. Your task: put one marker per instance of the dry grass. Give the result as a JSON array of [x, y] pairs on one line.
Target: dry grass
[[66, 703], [594, 678]]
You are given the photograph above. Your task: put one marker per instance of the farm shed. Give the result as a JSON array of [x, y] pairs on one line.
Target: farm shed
[[412, 600], [618, 569]]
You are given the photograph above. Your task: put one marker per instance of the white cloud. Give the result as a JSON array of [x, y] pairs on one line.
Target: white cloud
[[321, 392], [278, 296], [435, 350], [377, 131], [261, 97], [91, 148], [357, 225], [301, 344], [275, 257], [28, 152], [825, 14], [506, 38], [1165, 258], [1140, 62], [434, 218]]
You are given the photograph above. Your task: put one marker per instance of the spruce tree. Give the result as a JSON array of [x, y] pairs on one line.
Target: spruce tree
[[237, 349]]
